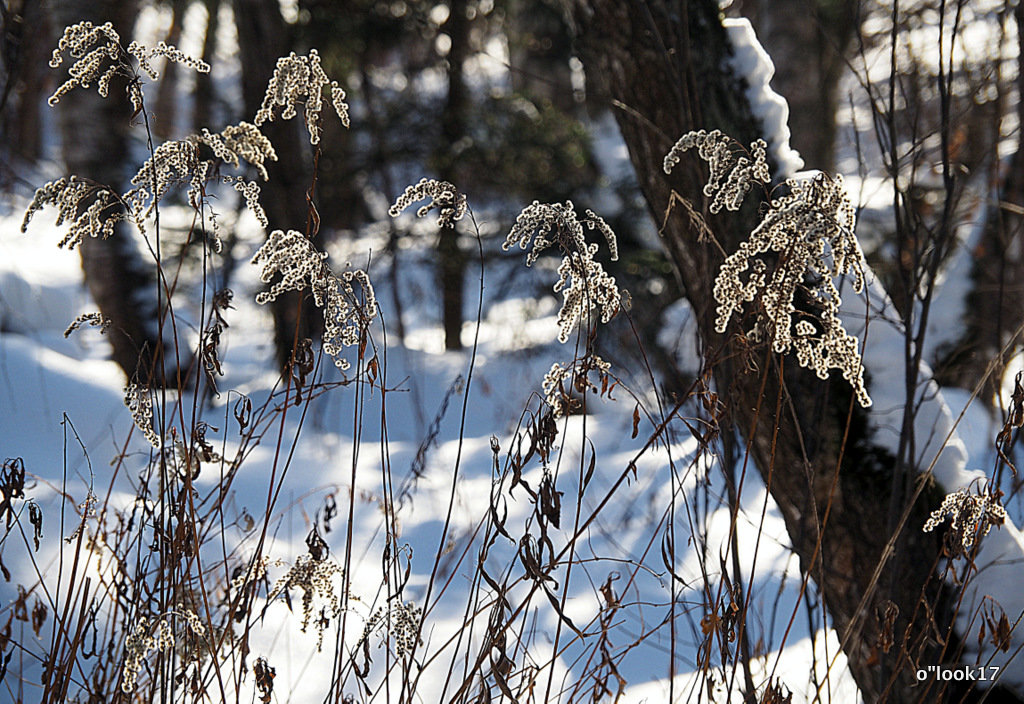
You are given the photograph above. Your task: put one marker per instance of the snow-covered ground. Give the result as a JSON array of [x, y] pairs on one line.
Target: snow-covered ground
[[45, 379]]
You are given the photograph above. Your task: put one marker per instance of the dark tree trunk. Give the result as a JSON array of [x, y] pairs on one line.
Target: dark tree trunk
[[203, 96], [166, 108], [94, 142], [24, 39], [451, 258], [262, 39], [663, 61], [540, 50]]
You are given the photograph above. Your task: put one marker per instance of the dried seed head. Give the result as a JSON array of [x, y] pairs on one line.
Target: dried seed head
[[450, 204], [400, 621], [97, 320], [91, 210], [299, 79], [347, 314], [725, 160], [585, 285], [99, 57], [561, 380], [316, 579], [141, 406], [973, 515], [809, 233]]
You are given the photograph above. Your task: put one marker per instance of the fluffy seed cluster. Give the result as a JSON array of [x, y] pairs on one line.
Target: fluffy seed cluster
[[546, 224], [450, 204], [301, 79], [808, 235], [250, 191], [560, 380], [98, 57], [142, 640], [97, 320], [141, 406], [145, 56], [172, 164], [585, 286], [91, 210], [316, 580], [973, 515], [241, 142], [732, 172], [400, 621], [95, 211], [347, 314]]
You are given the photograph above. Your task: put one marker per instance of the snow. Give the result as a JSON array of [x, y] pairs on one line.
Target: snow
[[750, 60]]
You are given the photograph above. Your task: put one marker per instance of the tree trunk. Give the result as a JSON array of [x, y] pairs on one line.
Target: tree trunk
[[166, 109], [539, 52], [664, 62], [203, 96], [94, 142], [451, 258], [262, 39], [24, 38]]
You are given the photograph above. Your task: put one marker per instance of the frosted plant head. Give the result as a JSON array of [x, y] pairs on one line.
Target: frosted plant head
[[585, 285], [399, 620], [546, 224], [140, 404], [316, 579], [98, 57], [172, 164], [144, 639], [301, 79], [90, 210], [726, 160], [347, 314], [972, 515], [444, 197], [808, 237], [237, 143], [176, 163], [96, 320], [561, 380]]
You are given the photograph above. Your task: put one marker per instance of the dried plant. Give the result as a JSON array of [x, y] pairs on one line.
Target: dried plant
[[347, 314], [316, 579], [91, 210], [558, 397], [96, 320], [807, 237], [400, 621], [450, 204], [585, 285], [144, 639], [138, 400], [810, 232], [725, 160], [99, 57], [971, 515], [301, 79]]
